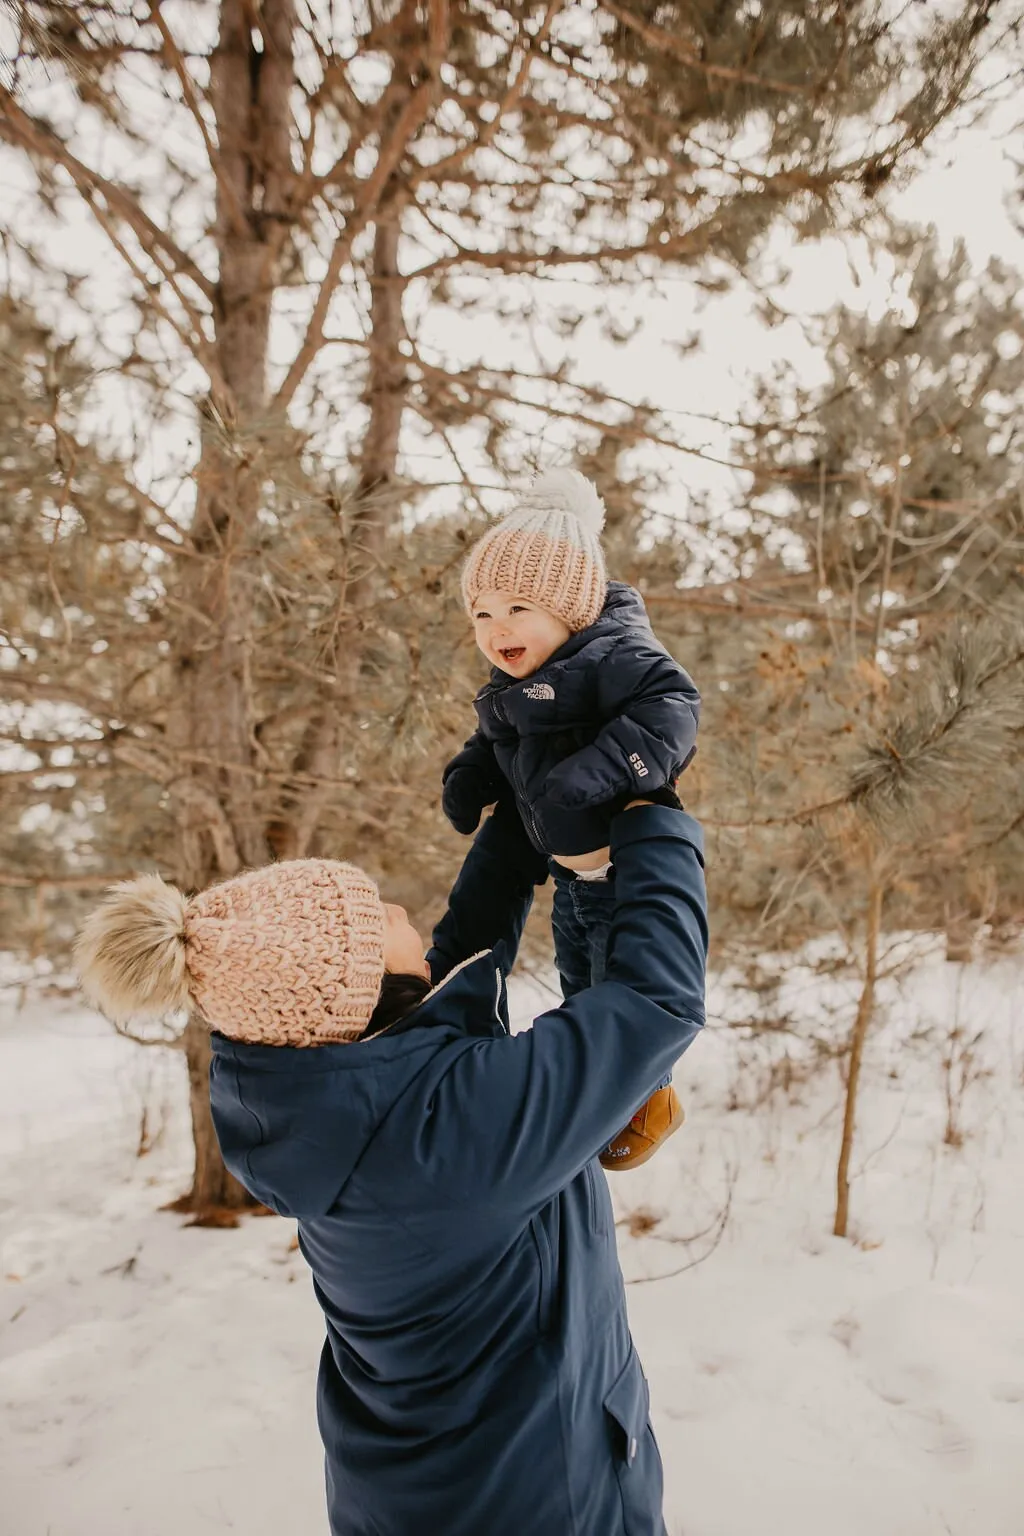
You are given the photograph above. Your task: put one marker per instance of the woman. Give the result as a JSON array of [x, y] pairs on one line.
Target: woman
[[478, 1377]]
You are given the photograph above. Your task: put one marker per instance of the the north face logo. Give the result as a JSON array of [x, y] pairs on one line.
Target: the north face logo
[[539, 691]]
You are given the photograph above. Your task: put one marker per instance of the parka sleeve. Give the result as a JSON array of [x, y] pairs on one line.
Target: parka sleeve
[[652, 708], [513, 1120], [490, 901]]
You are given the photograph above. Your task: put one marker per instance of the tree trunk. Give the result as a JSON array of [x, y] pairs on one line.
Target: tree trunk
[[961, 935], [226, 821], [865, 1009], [216, 1197], [212, 726], [387, 378]]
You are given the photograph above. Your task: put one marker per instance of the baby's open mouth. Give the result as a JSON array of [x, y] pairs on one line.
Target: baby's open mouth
[[513, 653]]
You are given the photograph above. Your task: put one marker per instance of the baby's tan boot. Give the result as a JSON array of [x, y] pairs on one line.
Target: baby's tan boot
[[653, 1123]]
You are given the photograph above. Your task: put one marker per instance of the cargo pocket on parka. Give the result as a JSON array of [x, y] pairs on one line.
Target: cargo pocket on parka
[[637, 1462], [596, 1205], [545, 1274]]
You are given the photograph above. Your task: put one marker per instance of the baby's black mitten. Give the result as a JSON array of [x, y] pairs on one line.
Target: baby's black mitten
[[471, 780]]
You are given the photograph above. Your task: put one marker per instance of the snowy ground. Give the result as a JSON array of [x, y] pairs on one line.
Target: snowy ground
[[156, 1380]]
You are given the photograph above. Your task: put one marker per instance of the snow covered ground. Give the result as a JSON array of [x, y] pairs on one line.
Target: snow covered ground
[[157, 1380]]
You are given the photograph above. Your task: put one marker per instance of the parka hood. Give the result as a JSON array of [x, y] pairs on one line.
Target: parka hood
[[294, 1122]]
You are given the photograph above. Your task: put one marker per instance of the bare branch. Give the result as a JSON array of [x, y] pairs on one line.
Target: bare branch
[[411, 116], [18, 127], [442, 169], [173, 55]]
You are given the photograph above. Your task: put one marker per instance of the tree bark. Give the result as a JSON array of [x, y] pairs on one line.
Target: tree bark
[[865, 1010], [387, 377]]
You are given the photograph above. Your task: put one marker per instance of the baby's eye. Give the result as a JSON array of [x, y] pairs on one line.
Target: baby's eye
[[481, 615], [518, 608]]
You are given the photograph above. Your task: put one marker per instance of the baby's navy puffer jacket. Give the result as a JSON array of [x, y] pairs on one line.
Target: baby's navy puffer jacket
[[610, 716]]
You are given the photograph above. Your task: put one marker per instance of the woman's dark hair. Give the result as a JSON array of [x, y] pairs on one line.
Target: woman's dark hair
[[399, 995]]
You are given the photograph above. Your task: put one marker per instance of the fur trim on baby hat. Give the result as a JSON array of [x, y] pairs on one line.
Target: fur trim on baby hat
[[548, 549], [292, 954]]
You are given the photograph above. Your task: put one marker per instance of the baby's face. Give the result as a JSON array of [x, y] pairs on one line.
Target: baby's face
[[515, 634]]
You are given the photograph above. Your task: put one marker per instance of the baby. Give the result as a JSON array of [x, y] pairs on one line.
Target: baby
[[585, 711]]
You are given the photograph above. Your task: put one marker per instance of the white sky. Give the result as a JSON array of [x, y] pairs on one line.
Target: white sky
[[965, 192]]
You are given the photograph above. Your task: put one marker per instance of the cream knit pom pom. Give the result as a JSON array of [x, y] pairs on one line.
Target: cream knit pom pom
[[565, 490], [130, 953]]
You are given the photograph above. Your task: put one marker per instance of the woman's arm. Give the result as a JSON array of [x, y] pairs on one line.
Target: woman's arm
[[516, 1119], [492, 896]]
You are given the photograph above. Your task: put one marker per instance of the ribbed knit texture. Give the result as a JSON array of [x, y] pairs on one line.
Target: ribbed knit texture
[[288, 955], [548, 550]]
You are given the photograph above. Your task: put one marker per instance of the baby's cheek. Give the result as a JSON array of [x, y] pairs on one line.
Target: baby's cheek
[[541, 650]]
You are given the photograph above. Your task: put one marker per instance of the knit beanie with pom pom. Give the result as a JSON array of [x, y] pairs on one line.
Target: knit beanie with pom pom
[[288, 955], [547, 549]]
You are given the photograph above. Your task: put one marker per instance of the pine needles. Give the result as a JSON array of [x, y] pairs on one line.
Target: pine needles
[[955, 729]]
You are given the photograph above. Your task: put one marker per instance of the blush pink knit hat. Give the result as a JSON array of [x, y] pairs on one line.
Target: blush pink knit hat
[[547, 549], [288, 955]]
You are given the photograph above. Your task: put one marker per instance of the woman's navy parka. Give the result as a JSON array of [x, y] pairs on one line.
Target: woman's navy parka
[[478, 1377]]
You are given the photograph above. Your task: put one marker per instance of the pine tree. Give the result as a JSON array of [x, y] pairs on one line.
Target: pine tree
[[871, 738], [300, 211]]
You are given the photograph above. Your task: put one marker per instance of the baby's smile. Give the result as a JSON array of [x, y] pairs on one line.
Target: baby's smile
[[511, 654]]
